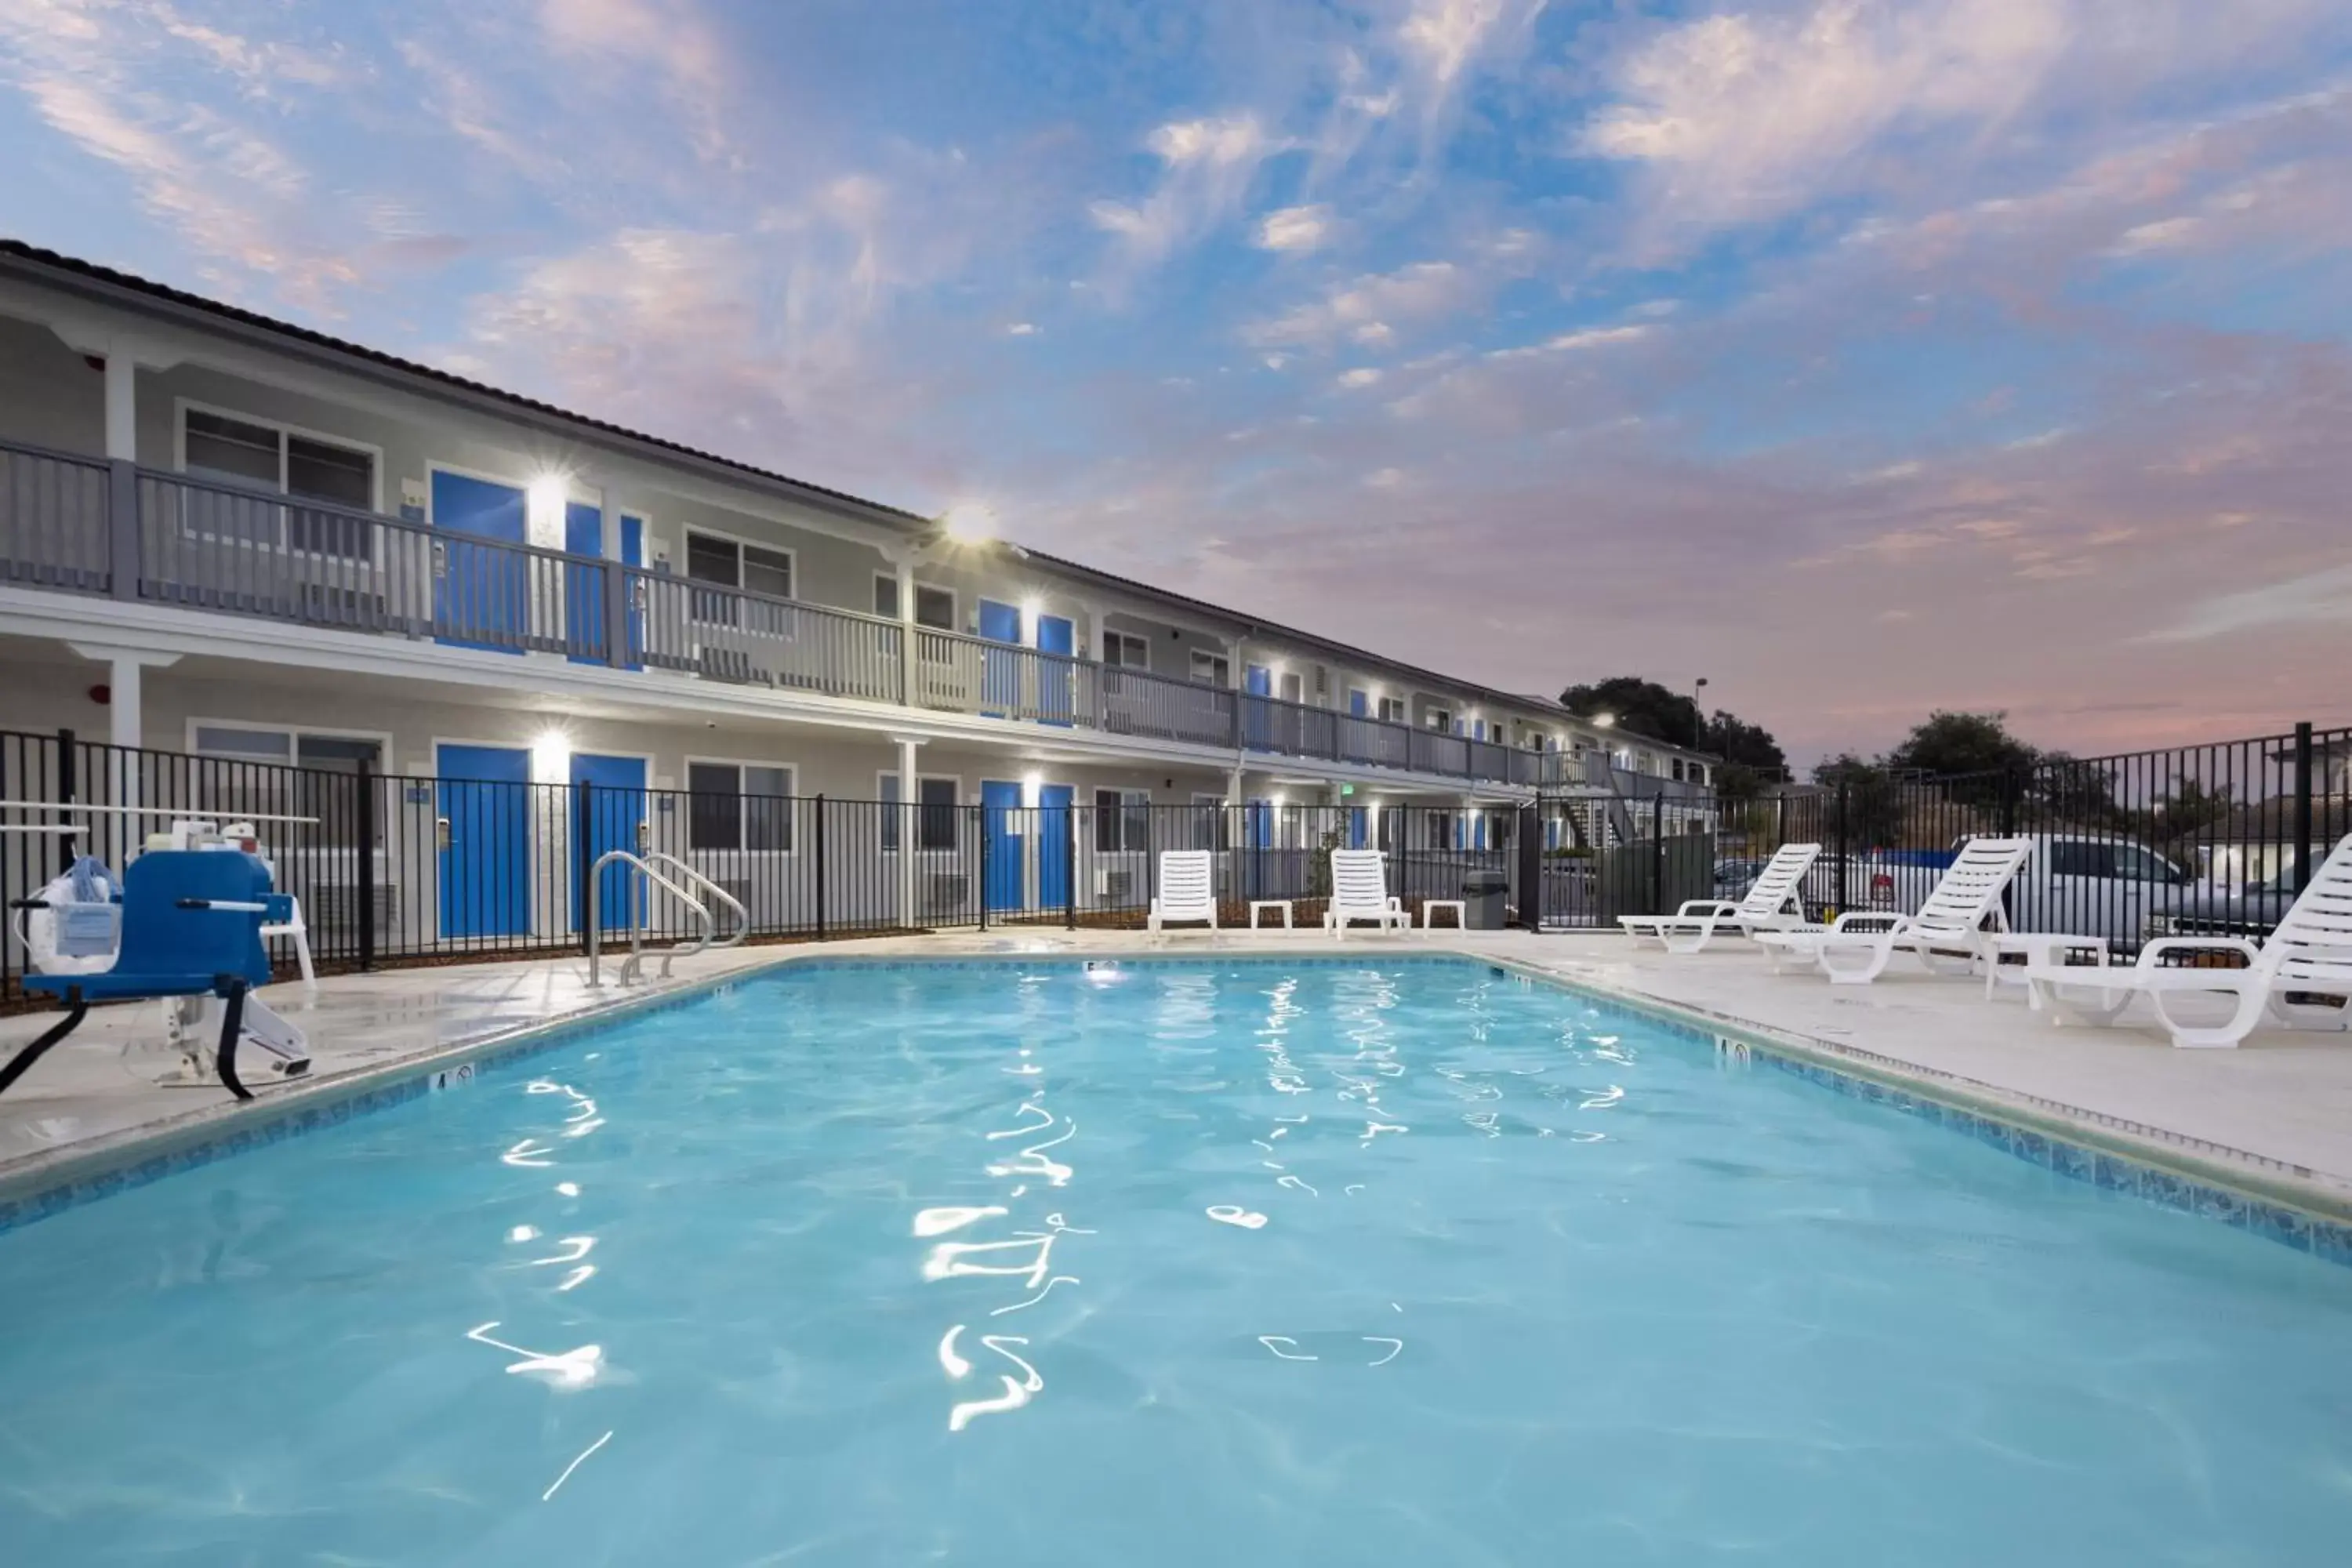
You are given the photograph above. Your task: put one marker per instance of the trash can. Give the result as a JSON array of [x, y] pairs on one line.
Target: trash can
[[1485, 895]]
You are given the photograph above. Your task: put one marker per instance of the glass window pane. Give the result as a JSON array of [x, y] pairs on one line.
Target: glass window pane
[[709, 560], [935, 607], [889, 814], [886, 597], [1106, 821], [714, 806], [937, 830], [768, 572], [337, 753], [231, 449], [768, 823], [252, 745], [320, 471]]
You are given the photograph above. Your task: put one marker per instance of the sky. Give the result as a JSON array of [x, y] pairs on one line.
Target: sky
[[1861, 357]]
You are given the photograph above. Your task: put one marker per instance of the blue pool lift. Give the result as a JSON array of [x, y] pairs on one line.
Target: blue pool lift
[[191, 923]]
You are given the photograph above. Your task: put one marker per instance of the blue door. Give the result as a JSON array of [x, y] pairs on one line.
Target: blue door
[[633, 554], [583, 586], [608, 801], [1054, 827], [1000, 673], [1358, 835], [1005, 871], [1358, 706], [1257, 716], [483, 799], [481, 590], [1057, 678]]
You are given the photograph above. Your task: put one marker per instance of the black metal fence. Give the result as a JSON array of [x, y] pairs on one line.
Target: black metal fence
[[2200, 840], [392, 870]]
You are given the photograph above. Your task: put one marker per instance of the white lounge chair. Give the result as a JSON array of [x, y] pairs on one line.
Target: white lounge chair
[[1950, 927], [2301, 975], [1360, 891], [1772, 904], [1188, 890]]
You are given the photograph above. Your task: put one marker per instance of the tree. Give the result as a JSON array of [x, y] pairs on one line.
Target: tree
[[1871, 801], [1745, 745], [1644, 707], [1952, 744]]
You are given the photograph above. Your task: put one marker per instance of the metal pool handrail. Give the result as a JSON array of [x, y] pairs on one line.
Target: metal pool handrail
[[636, 929], [742, 915]]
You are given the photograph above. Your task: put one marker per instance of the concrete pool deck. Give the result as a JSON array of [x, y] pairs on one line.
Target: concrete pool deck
[[2275, 1115]]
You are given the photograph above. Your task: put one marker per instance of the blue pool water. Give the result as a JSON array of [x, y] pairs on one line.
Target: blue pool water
[[1233, 1264]]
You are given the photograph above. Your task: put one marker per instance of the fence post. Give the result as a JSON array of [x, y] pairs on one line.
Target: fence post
[[584, 860], [1845, 794], [983, 878], [2011, 791], [67, 784], [364, 829], [2302, 759], [1530, 833], [820, 867], [617, 588], [122, 528], [1658, 853], [1070, 865]]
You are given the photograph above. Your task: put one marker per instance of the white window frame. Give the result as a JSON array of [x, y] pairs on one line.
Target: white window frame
[[793, 779], [915, 802], [1129, 798], [183, 407], [293, 733], [1218, 681], [954, 609], [686, 554], [1126, 640], [1392, 710]]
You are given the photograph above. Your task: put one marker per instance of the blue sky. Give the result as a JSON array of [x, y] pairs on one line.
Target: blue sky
[[1861, 356]]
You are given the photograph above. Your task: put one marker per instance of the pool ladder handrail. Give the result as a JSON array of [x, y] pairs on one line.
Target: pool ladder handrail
[[636, 961], [716, 891]]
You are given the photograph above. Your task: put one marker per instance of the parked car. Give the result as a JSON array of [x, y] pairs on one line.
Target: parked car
[[2251, 910], [1734, 878], [2081, 884]]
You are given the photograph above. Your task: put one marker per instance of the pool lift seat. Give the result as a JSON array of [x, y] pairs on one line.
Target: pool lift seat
[[191, 923]]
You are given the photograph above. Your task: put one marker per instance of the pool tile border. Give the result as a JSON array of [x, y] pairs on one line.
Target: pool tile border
[[120, 1167]]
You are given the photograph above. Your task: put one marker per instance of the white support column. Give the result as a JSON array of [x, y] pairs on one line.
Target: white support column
[[121, 406], [910, 822], [1233, 786], [126, 671], [908, 655]]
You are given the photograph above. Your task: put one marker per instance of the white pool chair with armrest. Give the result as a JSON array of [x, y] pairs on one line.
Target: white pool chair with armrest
[[1187, 892], [1949, 928], [1771, 904], [2300, 975]]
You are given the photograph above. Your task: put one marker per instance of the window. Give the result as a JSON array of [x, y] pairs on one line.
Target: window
[[1122, 820], [1126, 650], [936, 822], [1392, 710], [1322, 686], [934, 607], [1293, 689], [738, 805], [731, 564], [262, 790], [327, 752], [2074, 857], [889, 797], [247, 452], [1441, 830], [1212, 668], [1440, 719], [1213, 824]]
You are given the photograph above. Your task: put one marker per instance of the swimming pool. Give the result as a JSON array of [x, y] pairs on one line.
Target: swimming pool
[[1242, 1262]]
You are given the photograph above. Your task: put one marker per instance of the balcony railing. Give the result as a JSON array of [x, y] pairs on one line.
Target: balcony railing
[[81, 525]]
